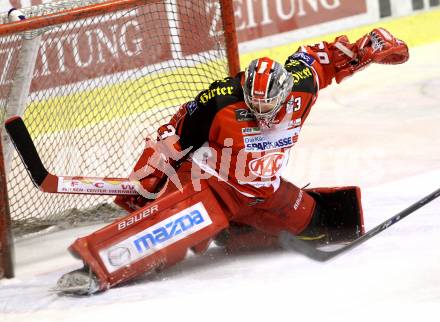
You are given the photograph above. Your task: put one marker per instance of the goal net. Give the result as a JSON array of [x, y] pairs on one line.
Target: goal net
[[92, 79]]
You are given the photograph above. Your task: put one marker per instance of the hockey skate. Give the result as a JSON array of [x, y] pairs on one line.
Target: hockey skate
[[78, 282]]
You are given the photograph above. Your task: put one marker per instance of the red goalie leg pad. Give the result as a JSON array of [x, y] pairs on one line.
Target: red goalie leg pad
[[156, 236]]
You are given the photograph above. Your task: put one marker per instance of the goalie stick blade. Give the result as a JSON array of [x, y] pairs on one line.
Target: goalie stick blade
[[26, 149], [290, 242]]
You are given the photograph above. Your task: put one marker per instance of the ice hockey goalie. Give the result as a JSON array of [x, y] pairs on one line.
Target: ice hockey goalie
[[214, 172]]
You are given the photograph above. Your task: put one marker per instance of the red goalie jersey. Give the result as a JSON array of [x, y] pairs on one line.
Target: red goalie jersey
[[226, 140], [235, 147]]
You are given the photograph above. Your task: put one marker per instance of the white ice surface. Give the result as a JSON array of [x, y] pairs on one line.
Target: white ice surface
[[379, 130]]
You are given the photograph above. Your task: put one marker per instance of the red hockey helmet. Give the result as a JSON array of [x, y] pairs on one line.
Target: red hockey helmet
[[266, 86]]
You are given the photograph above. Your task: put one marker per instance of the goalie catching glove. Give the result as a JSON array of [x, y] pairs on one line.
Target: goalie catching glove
[[378, 46], [342, 58]]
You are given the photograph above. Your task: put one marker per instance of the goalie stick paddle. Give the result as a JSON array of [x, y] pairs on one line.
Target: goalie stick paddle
[[47, 182], [291, 242]]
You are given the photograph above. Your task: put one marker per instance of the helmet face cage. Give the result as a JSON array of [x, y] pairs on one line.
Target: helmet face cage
[[267, 84]]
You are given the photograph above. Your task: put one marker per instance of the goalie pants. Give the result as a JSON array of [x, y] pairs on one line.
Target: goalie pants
[[289, 208]]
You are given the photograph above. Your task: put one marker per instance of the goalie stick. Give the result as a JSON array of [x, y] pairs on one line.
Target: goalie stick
[[290, 242], [48, 182]]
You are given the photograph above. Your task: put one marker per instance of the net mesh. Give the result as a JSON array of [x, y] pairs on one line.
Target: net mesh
[[99, 87]]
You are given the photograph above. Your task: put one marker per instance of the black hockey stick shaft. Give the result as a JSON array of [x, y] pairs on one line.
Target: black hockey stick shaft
[[26, 149], [291, 242]]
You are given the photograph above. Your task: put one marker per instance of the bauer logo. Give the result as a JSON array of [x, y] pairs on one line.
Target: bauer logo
[[138, 216], [156, 237]]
